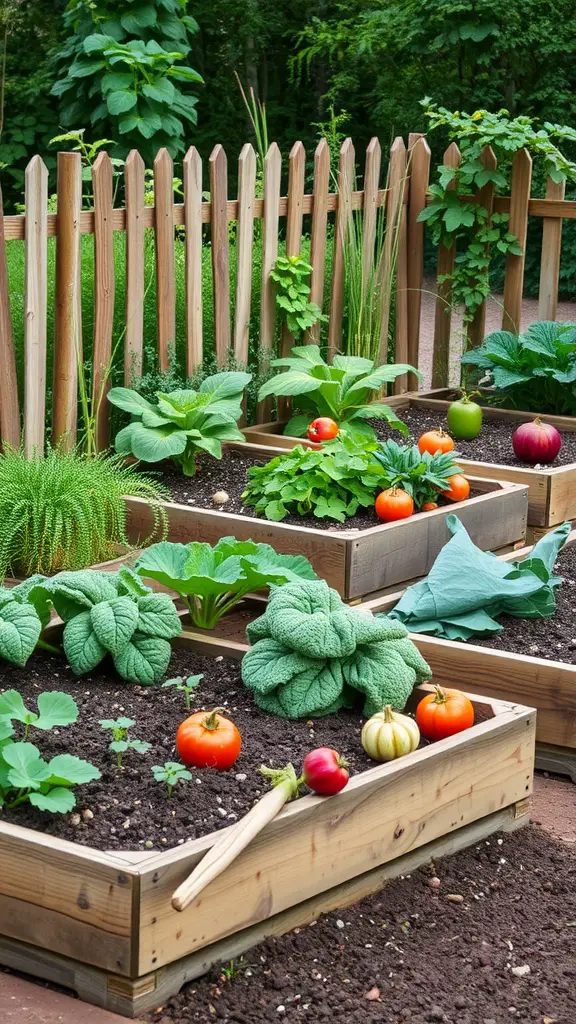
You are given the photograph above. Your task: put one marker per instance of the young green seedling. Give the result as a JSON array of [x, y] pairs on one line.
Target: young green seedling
[[25, 777], [54, 709], [171, 773], [185, 685], [121, 742]]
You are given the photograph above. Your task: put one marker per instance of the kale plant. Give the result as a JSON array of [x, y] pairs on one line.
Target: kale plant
[[535, 371], [313, 655], [24, 612], [182, 423], [212, 580]]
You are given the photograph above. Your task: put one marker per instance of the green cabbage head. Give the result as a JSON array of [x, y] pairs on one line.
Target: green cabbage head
[[312, 655]]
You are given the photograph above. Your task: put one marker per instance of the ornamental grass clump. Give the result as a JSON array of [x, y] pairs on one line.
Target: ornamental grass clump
[[65, 511], [313, 655]]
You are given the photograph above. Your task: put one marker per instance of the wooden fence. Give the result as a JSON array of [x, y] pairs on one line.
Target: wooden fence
[[404, 196]]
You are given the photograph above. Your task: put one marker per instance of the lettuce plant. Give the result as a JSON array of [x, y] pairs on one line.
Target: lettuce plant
[[106, 613], [24, 612], [212, 580], [313, 655], [345, 390], [535, 371], [182, 423]]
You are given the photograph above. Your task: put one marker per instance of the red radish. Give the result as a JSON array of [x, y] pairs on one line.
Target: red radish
[[536, 442], [322, 429], [325, 771]]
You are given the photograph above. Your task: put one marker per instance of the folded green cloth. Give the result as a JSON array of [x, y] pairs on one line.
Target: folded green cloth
[[467, 588]]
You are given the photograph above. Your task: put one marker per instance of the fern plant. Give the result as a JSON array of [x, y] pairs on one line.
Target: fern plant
[[66, 511]]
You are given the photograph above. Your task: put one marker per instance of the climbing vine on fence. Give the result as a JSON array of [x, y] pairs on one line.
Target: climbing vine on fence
[[452, 214]]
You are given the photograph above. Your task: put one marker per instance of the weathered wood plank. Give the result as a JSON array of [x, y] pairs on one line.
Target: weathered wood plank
[[370, 212], [104, 285], [9, 405], [318, 232], [443, 312], [272, 172], [134, 338], [220, 252], [419, 168], [396, 181], [68, 318], [346, 172], [36, 300], [550, 259], [192, 183], [245, 241], [165, 269], [399, 170], [518, 225], [485, 198], [296, 169]]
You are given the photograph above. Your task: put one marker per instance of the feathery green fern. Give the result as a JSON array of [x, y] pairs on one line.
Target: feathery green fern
[[65, 511]]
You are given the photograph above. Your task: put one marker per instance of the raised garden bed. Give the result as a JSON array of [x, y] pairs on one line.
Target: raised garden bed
[[552, 489], [101, 922], [532, 661], [355, 557]]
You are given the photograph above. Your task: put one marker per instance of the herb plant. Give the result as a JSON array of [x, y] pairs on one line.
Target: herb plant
[[344, 391], [185, 686], [332, 482], [534, 371], [292, 277], [106, 613], [65, 511], [121, 742], [171, 772], [54, 709], [421, 475], [182, 423], [313, 655], [212, 580]]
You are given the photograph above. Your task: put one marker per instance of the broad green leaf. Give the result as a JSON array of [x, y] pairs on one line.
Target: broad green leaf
[[27, 769], [13, 708], [224, 385], [114, 622], [120, 101], [163, 562], [96, 42], [73, 592], [297, 426], [353, 366], [293, 382], [33, 591], [81, 645], [67, 770], [502, 377], [6, 732], [130, 401], [383, 375], [144, 660], [503, 348], [54, 709], [157, 616], [161, 90], [20, 629], [153, 444], [57, 801], [130, 583]]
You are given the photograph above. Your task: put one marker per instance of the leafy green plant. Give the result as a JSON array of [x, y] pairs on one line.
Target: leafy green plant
[[292, 277], [25, 777], [106, 613], [332, 482], [534, 371], [123, 66], [24, 613], [313, 655], [344, 391], [420, 474], [121, 740], [455, 219], [212, 580], [182, 423], [185, 686], [54, 708], [171, 773], [88, 153], [66, 511]]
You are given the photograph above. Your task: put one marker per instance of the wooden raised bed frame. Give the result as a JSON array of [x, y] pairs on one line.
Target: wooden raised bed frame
[[356, 562], [548, 686], [551, 492], [102, 923]]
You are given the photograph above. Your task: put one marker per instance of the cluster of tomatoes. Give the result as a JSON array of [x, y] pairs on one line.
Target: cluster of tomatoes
[[394, 503]]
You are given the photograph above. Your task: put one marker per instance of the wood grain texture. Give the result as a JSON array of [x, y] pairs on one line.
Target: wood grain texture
[[272, 173], [244, 241], [346, 172], [192, 184], [104, 285], [443, 312], [562, 495], [550, 258], [220, 252], [485, 198], [134, 338], [293, 859], [370, 211], [9, 404], [68, 314], [165, 269], [395, 228], [419, 169], [36, 305], [318, 231], [296, 171], [518, 226], [401, 275]]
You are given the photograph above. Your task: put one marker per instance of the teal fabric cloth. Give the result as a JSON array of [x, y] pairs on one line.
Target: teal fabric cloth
[[467, 588]]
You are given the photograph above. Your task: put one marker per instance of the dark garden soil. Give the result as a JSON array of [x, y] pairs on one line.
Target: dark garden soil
[[229, 475], [553, 638], [131, 810], [493, 944], [494, 443]]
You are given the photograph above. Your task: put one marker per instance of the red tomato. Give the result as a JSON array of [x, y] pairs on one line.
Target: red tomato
[[435, 441], [207, 740], [444, 713], [322, 429], [325, 771], [429, 505], [459, 488], [394, 504]]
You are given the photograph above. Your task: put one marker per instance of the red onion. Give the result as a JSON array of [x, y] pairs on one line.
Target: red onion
[[536, 442], [325, 771]]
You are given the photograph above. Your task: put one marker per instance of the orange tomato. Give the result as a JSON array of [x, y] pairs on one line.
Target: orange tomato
[[444, 713], [394, 504], [459, 488], [435, 441], [429, 505], [207, 740]]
